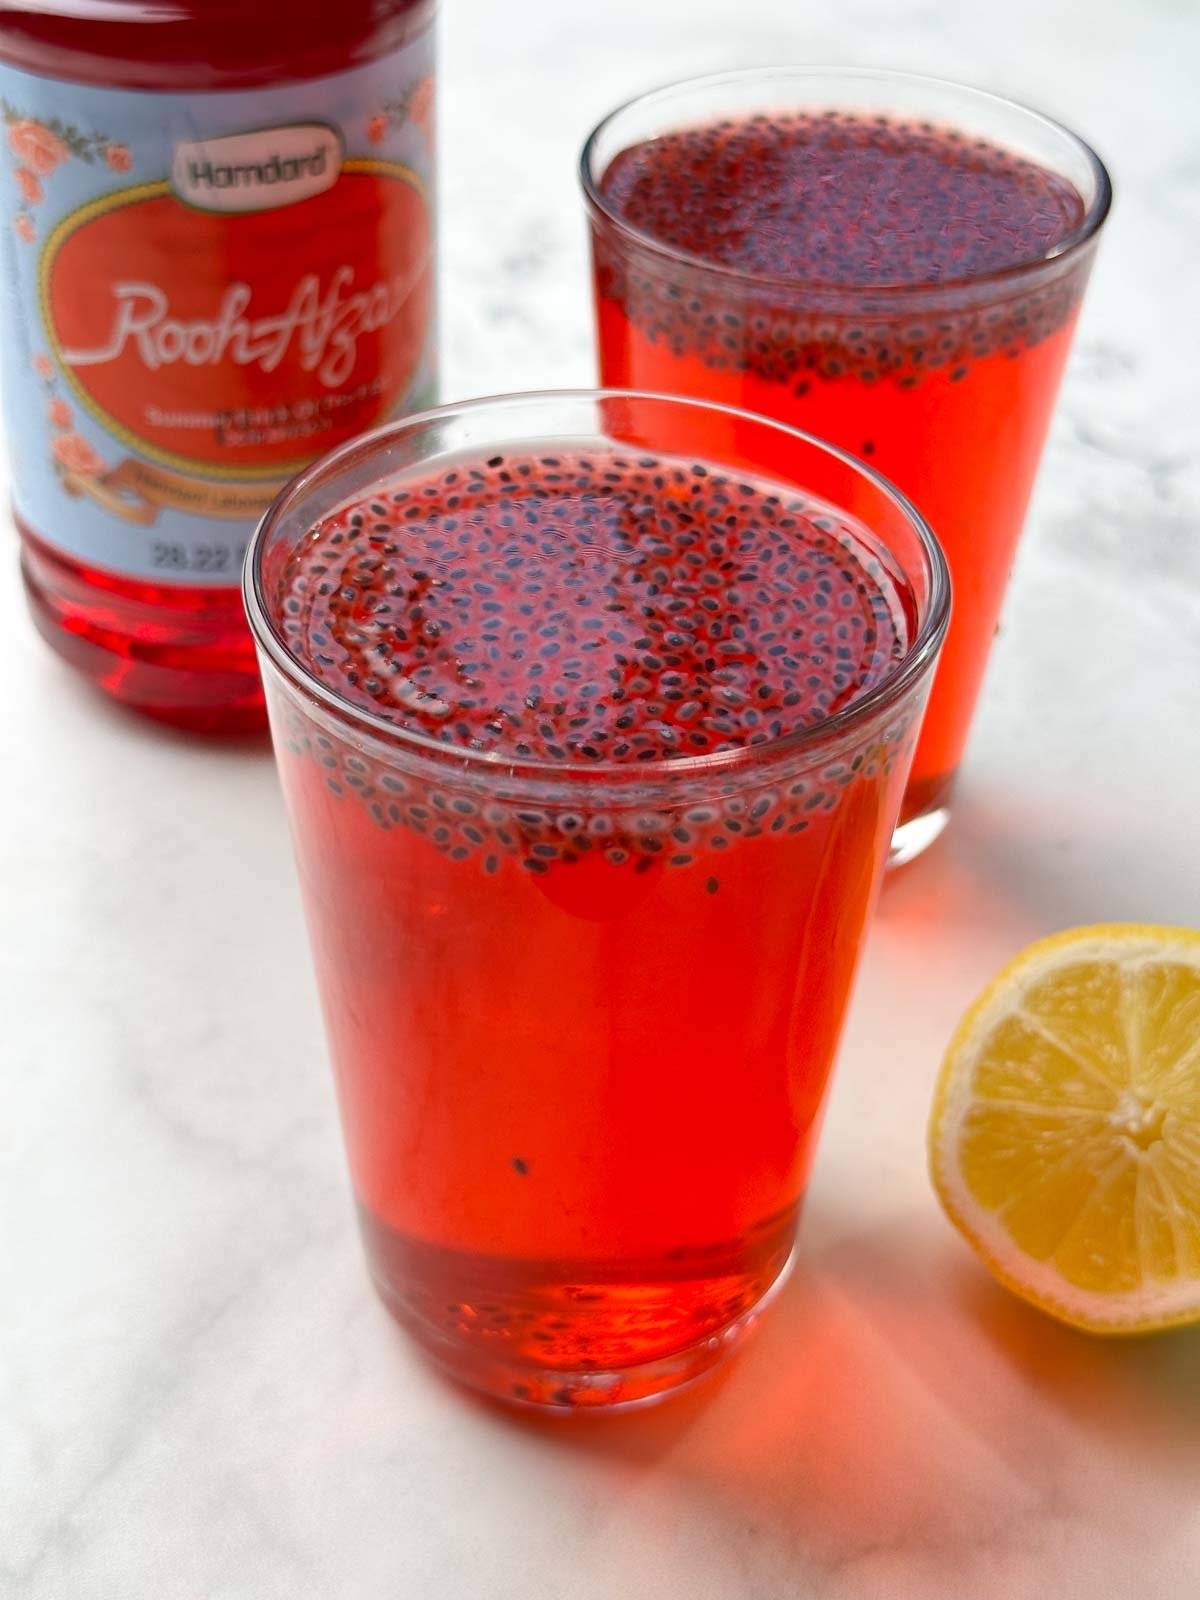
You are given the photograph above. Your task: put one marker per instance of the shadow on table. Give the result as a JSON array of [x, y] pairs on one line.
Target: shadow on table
[[76, 698], [255, 744], [896, 1400], [1012, 855]]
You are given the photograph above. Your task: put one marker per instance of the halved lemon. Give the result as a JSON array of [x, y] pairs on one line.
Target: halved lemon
[[1064, 1141]]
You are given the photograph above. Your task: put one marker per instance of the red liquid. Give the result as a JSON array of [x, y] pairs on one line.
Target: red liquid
[[582, 1042], [180, 653], [952, 404]]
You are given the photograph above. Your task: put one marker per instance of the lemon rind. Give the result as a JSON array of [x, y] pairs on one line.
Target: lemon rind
[[1131, 1312]]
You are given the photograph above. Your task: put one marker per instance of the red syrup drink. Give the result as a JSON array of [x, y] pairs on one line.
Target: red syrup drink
[[592, 748], [873, 270], [218, 260]]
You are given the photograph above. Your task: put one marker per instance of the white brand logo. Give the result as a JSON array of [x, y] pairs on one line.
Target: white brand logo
[[257, 171]]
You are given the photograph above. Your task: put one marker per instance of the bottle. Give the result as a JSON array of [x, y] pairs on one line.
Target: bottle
[[216, 261]]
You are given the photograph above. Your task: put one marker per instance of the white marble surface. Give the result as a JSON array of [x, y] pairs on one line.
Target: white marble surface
[[201, 1398]]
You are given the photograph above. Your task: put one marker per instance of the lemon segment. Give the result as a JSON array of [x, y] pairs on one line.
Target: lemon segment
[[1064, 1141]]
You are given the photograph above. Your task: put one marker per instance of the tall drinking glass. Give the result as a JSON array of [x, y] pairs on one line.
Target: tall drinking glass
[[593, 713], [892, 263]]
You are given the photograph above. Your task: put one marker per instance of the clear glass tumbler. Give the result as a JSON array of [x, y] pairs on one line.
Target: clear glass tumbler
[[583, 1005], [940, 374]]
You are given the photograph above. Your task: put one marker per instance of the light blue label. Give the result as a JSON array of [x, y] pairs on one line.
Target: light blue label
[[203, 292]]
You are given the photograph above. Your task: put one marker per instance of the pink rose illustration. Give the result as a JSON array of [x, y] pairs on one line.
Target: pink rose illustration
[[44, 367], [377, 128], [36, 147], [118, 157], [59, 413], [29, 185], [421, 106], [75, 455], [25, 228]]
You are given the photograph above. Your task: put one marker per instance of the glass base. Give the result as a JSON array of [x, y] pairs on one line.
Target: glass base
[[923, 818], [537, 1358], [632, 1388], [912, 838]]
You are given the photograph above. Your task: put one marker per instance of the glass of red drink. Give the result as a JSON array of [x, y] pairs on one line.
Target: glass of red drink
[[892, 263], [593, 713]]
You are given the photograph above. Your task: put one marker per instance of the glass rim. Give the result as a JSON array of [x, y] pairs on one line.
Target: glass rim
[[903, 674], [1080, 236]]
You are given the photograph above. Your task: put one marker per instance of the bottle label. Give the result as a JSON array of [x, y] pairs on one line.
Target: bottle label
[[201, 294]]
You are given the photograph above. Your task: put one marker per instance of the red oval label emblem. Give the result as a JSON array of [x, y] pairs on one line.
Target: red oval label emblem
[[242, 345]]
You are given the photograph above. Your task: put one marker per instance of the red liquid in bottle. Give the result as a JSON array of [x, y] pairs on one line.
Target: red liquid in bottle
[[192, 189]]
